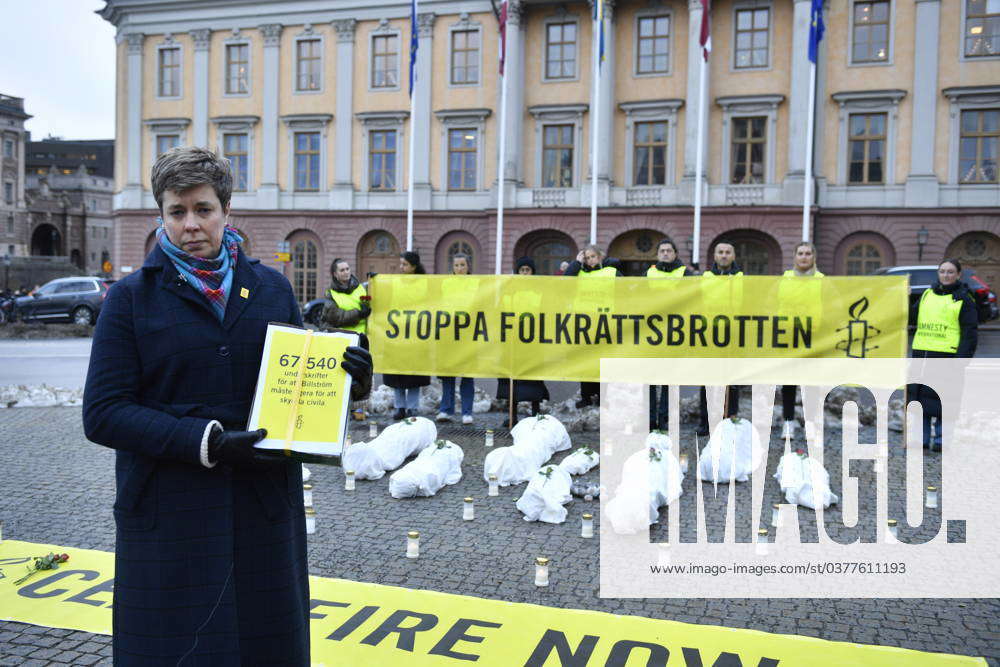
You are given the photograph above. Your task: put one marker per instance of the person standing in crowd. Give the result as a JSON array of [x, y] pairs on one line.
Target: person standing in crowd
[[589, 264], [202, 517], [668, 265], [947, 327], [407, 387], [348, 308], [523, 301], [800, 293], [458, 292], [721, 293], [563, 265]]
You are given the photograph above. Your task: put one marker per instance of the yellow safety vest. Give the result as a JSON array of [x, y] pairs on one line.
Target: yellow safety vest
[[594, 294], [653, 272], [606, 272], [938, 329], [351, 301], [459, 292], [721, 294], [799, 296]]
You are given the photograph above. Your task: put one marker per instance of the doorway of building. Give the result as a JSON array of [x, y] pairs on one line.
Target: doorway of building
[[378, 252], [636, 250], [979, 251]]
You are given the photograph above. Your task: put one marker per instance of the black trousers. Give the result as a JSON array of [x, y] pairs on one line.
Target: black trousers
[[659, 408], [788, 401], [732, 406]]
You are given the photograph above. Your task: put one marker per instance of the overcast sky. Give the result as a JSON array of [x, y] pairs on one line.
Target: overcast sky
[[60, 57]]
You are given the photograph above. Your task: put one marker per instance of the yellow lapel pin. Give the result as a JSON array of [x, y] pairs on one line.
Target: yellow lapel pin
[[244, 292]]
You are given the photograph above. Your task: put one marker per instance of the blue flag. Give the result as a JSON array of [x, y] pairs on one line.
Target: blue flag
[[599, 18], [816, 28], [414, 43]]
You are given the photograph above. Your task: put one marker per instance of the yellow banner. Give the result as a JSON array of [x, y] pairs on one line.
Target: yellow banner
[[555, 328], [356, 623]]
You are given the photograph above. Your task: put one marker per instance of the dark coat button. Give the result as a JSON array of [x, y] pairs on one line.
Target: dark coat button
[[223, 351]]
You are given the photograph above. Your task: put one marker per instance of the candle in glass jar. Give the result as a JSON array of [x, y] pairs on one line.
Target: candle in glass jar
[[762, 541], [932, 497], [541, 571], [489, 437], [893, 531], [494, 486], [310, 521], [349, 480], [587, 526], [347, 437], [468, 510], [307, 495], [372, 429], [775, 515], [684, 463], [413, 544]]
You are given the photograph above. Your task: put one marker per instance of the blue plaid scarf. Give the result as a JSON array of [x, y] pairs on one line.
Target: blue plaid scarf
[[212, 278]]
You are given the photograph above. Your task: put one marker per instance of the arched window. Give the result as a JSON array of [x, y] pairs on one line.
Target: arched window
[[636, 250], [548, 248], [862, 259], [450, 245], [46, 241], [979, 251], [304, 267], [861, 253], [757, 253]]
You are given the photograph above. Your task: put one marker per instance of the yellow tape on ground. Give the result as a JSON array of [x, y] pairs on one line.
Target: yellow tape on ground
[[361, 624]]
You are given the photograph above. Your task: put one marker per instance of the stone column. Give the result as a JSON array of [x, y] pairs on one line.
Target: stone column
[[420, 124], [693, 105], [201, 38], [798, 103], [342, 193], [922, 183], [131, 196], [267, 193]]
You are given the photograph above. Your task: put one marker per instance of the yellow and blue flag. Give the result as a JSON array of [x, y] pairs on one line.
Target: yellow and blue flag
[[816, 29], [414, 43], [599, 19]]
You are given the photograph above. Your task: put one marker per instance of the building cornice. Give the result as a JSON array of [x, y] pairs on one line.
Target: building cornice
[[891, 96]]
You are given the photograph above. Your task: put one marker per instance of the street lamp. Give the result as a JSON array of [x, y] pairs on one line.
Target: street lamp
[[922, 236], [6, 272]]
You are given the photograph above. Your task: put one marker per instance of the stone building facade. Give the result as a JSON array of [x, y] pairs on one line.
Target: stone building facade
[[13, 217], [311, 105]]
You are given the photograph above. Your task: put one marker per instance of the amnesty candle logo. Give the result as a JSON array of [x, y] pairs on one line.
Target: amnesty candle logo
[[858, 331]]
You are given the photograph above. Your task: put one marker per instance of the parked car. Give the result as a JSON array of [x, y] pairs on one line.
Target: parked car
[[76, 300], [313, 310], [922, 277]]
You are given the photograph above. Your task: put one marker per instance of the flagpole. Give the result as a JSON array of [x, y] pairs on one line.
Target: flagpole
[[413, 135], [698, 164], [502, 138], [596, 118], [807, 189]]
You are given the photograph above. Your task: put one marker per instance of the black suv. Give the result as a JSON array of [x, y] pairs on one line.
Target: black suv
[[922, 277], [75, 300]]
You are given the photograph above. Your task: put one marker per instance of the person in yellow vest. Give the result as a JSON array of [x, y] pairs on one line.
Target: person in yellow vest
[[458, 292], [591, 263], [406, 400], [721, 295], [348, 308], [947, 326], [799, 293], [668, 265], [531, 391]]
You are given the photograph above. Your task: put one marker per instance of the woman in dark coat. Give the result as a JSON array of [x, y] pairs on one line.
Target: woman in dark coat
[[531, 391], [947, 327], [210, 546], [407, 387]]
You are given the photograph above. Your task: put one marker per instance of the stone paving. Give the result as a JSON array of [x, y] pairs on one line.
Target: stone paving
[[58, 488]]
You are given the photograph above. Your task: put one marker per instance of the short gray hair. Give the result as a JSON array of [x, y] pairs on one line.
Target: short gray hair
[[185, 167]]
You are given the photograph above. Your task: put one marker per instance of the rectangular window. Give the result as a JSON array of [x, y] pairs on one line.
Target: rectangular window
[[557, 156], [465, 56], [653, 55], [234, 147], [749, 140], [650, 158], [866, 148], [462, 159], [164, 142], [560, 51], [382, 159], [982, 28], [8, 148], [10, 224], [980, 141], [385, 61], [870, 42], [307, 161], [169, 76], [237, 69], [308, 64], [752, 28], [8, 192]]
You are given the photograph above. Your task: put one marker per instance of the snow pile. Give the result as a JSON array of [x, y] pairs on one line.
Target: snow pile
[[435, 466], [536, 439], [545, 495], [43, 396]]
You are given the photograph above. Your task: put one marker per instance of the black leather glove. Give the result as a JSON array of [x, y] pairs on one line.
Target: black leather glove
[[366, 310], [235, 447], [358, 363]]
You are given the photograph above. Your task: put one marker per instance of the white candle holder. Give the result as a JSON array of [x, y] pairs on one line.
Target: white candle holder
[[763, 540], [587, 526], [494, 486], [348, 441], [307, 495], [489, 437], [932, 497], [310, 521], [348, 480], [372, 429], [468, 510], [541, 571], [684, 463], [893, 535], [775, 515], [413, 544]]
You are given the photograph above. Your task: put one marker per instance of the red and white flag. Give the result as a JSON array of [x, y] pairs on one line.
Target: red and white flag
[[503, 34], [706, 28]]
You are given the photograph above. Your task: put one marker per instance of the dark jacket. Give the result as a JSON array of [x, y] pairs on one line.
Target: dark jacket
[[220, 547], [335, 317], [576, 267], [667, 267]]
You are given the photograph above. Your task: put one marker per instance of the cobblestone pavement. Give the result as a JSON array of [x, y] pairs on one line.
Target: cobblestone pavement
[[58, 488]]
